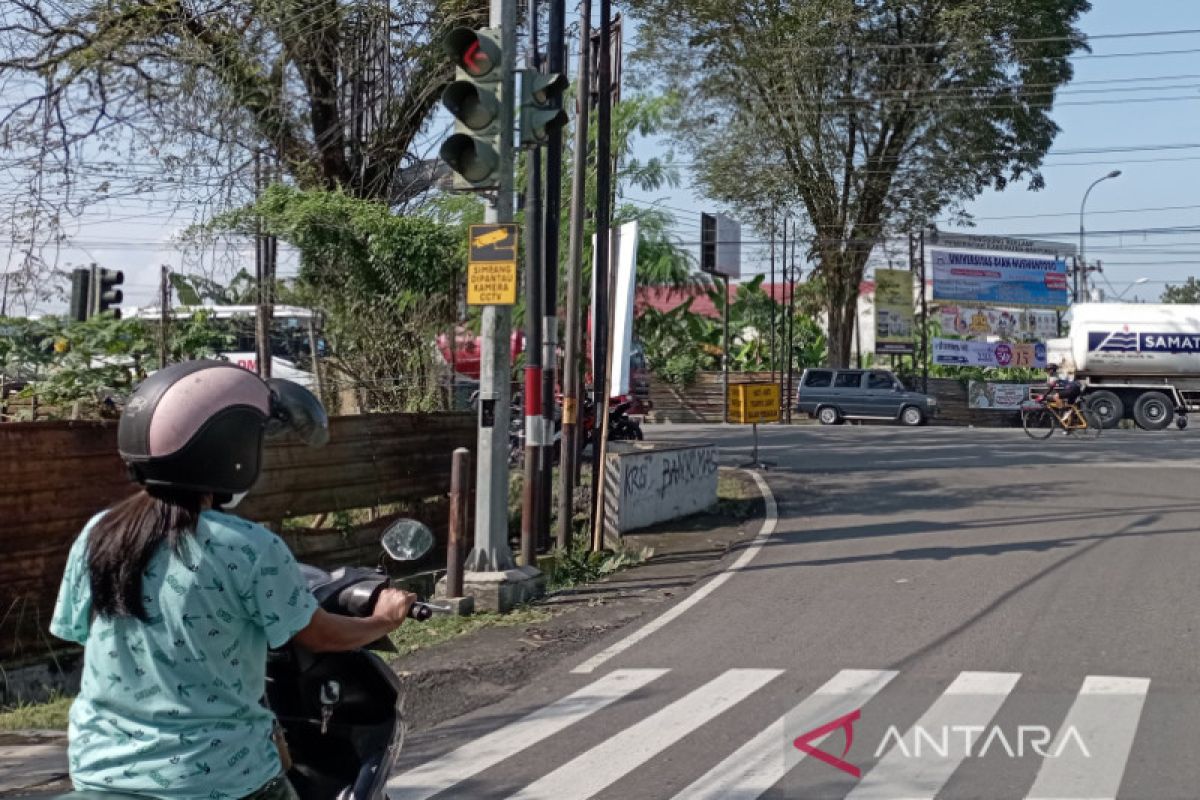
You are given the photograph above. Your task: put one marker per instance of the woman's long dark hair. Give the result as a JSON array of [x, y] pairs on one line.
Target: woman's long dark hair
[[123, 541]]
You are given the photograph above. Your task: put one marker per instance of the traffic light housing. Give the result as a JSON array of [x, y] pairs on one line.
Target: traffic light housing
[[475, 99], [80, 307], [106, 291], [541, 105]]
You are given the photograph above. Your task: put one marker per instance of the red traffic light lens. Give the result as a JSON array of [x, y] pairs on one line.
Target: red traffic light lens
[[475, 61]]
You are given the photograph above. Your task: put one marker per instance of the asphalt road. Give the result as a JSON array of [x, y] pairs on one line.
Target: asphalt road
[[988, 616]]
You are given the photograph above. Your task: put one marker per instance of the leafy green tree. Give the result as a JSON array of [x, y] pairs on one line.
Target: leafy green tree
[[868, 117], [1187, 292], [75, 368], [383, 282]]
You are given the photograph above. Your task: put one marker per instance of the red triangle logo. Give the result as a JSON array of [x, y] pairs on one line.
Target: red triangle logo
[[803, 743]]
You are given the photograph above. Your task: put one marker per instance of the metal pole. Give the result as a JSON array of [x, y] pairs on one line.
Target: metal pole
[[316, 363], [1083, 265], [491, 552], [556, 63], [570, 429], [725, 353], [164, 300], [601, 267], [791, 334], [531, 490], [924, 315], [460, 467], [772, 293]]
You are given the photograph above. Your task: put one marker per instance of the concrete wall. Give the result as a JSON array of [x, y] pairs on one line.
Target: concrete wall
[[647, 483]]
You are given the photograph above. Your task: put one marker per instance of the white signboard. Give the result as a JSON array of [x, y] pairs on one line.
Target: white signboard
[[624, 246], [955, 353], [1013, 324], [997, 396]]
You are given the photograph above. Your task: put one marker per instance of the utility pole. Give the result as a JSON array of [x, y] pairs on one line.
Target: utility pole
[[531, 489], [264, 274], [601, 266], [491, 552], [772, 292], [556, 65], [570, 429], [164, 302], [791, 332], [924, 315]]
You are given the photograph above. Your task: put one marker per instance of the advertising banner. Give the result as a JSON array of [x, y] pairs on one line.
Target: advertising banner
[[1013, 324], [997, 396], [950, 352], [1003, 279], [893, 311]]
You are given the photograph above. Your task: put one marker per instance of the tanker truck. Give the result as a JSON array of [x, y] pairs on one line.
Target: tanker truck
[[1135, 361]]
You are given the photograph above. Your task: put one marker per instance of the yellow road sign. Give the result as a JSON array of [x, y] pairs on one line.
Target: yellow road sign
[[751, 403], [492, 265]]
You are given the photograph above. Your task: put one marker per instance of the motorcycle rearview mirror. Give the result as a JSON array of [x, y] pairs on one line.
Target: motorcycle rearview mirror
[[407, 540]]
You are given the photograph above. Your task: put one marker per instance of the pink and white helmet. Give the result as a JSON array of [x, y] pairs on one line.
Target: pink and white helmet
[[199, 425]]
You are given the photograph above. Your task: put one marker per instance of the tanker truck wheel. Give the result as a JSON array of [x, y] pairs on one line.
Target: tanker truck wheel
[[1108, 407], [1153, 411]]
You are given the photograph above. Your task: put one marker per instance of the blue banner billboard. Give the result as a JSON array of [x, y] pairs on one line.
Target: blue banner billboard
[[1007, 279]]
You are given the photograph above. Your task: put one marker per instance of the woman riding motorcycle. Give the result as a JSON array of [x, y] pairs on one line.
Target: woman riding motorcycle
[[177, 601]]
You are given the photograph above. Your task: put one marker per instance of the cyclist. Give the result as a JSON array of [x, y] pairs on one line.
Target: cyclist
[[1064, 389]]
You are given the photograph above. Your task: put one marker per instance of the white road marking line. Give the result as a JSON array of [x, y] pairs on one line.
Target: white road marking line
[[758, 764], [608, 762], [930, 751], [770, 520], [1104, 717], [442, 773]]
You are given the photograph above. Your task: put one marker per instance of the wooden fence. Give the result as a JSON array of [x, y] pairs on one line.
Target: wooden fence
[[56, 475], [703, 401]]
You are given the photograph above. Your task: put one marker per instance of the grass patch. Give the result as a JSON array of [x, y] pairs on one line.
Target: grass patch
[[577, 565], [51, 715], [415, 636]]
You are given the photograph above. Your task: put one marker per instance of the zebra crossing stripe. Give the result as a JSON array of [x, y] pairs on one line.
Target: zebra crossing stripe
[[436, 776], [606, 763], [1104, 717], [758, 764], [912, 773]]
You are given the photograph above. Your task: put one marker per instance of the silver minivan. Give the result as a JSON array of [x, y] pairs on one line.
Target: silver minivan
[[835, 395]]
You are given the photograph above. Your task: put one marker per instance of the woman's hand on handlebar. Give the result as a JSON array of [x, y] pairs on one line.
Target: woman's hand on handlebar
[[393, 606]]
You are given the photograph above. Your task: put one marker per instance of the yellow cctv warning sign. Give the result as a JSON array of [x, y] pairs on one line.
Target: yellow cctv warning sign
[[492, 265]]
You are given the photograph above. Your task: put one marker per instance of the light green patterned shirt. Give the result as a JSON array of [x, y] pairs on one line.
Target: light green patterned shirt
[[170, 707]]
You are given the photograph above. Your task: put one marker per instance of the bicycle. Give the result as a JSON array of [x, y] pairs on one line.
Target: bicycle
[[1040, 417]]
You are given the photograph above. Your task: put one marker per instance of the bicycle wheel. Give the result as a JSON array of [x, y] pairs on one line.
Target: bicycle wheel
[[1038, 423], [1095, 425]]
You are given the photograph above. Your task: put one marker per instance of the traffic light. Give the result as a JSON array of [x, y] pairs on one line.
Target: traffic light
[[541, 105], [105, 283], [475, 98], [81, 302]]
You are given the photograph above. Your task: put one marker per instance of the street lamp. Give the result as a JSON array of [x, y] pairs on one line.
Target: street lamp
[[1138, 282], [1116, 173]]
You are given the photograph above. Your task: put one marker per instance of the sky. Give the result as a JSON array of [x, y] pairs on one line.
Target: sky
[[1136, 107], [1140, 103]]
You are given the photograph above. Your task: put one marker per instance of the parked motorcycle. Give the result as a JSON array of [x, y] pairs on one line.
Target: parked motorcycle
[[621, 426], [340, 712]]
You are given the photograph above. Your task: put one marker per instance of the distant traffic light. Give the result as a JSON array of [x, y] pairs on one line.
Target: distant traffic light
[[106, 294], [81, 302], [541, 105], [475, 98]]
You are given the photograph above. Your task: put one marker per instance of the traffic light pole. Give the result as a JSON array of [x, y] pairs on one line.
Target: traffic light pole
[[491, 554]]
